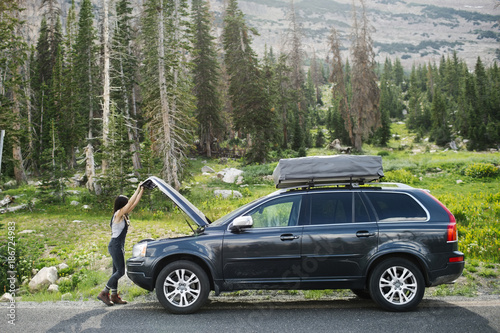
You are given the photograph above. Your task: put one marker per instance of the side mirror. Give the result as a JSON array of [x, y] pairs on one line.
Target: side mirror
[[241, 222]]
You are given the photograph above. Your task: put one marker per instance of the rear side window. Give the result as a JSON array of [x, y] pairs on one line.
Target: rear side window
[[396, 207]]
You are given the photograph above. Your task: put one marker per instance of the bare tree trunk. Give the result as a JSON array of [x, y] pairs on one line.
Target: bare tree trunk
[[164, 107], [106, 90], [19, 172], [90, 169], [89, 150], [131, 123]]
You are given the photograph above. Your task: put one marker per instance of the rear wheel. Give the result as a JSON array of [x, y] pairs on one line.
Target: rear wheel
[[397, 285], [182, 287]]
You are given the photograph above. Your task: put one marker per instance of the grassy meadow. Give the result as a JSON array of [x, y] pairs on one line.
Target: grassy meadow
[[468, 183]]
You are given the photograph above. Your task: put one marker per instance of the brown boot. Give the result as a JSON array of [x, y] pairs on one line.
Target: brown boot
[[116, 299], [104, 297]]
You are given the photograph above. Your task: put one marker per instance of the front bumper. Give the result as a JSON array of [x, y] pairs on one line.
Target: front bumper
[[138, 271]]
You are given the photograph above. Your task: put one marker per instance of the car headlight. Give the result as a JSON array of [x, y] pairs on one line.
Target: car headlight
[[139, 250]]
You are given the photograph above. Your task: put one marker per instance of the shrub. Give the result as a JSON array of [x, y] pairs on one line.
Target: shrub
[[481, 170], [400, 176]]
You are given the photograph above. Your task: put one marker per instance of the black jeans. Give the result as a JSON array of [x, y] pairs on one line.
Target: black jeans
[[117, 252]]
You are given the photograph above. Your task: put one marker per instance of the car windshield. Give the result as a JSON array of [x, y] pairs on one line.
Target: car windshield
[[239, 211]]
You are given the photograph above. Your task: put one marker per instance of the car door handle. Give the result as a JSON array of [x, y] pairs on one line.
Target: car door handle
[[364, 233], [288, 237]]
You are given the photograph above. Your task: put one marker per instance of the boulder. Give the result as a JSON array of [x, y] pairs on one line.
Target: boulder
[[228, 193], [7, 297], [45, 277], [67, 297], [207, 169], [53, 288], [62, 266], [229, 175]]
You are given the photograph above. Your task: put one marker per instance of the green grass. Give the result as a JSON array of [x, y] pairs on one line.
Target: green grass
[[79, 237]]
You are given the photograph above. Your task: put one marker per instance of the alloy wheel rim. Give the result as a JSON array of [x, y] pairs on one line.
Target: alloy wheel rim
[[398, 285], [182, 288]]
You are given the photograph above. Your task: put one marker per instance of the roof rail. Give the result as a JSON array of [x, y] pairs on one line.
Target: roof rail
[[398, 185]]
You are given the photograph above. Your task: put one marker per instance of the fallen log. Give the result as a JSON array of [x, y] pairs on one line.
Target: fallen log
[[13, 209]]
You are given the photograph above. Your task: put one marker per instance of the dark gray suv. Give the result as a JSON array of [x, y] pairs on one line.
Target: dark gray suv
[[384, 243]]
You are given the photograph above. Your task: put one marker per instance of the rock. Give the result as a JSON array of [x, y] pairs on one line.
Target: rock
[[268, 178], [73, 192], [207, 169], [62, 266], [7, 297], [7, 200], [53, 288], [27, 231], [133, 180], [77, 221], [86, 207], [228, 193], [45, 277], [63, 280], [239, 181], [460, 181], [230, 175], [67, 297], [74, 203], [453, 145], [10, 183]]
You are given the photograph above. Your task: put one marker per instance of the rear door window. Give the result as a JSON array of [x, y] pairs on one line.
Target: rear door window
[[331, 208], [391, 206]]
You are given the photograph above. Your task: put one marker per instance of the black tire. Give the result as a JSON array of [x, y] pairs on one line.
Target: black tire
[[362, 293], [182, 287], [397, 285]]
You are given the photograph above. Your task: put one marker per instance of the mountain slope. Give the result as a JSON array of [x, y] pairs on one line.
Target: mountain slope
[[416, 31]]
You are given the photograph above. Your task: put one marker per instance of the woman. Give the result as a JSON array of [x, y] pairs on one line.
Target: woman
[[119, 226]]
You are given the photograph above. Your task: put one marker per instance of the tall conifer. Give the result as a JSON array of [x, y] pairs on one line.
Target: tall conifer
[[206, 75]]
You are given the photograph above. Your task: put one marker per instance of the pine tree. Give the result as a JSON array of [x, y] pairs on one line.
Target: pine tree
[[167, 86], [119, 155], [124, 65], [440, 132], [365, 92], [479, 115], [387, 105], [206, 75], [86, 75], [72, 127], [252, 111], [340, 91], [13, 54]]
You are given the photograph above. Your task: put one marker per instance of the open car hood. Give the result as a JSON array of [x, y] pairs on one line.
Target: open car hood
[[187, 207]]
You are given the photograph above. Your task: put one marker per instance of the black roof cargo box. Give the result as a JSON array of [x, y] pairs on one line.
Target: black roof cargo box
[[324, 170]]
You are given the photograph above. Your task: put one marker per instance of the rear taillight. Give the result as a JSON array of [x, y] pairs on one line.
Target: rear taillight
[[452, 233], [452, 230]]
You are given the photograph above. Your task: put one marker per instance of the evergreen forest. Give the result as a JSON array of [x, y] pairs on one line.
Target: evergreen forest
[[120, 91]]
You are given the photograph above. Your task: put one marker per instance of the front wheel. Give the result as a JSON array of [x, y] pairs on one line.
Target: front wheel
[[182, 287], [397, 285]]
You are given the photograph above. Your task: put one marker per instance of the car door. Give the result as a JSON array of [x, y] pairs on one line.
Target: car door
[[269, 251], [339, 238]]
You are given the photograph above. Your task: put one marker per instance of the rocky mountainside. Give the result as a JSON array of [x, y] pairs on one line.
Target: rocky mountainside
[[416, 31]]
